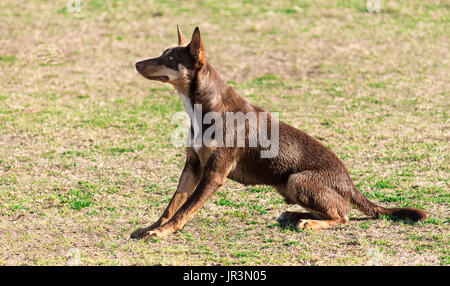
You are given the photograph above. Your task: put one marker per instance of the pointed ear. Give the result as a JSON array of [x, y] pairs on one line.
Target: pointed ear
[[181, 39], [196, 48]]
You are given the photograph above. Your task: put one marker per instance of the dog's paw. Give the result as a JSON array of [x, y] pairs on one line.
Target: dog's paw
[[139, 233], [152, 234], [304, 224]]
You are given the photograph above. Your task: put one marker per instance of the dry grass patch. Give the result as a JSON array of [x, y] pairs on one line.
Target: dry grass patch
[[85, 153]]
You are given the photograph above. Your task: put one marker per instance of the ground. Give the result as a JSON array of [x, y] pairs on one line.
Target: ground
[[85, 142]]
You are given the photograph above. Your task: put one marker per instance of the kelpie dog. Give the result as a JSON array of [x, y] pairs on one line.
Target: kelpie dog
[[303, 171]]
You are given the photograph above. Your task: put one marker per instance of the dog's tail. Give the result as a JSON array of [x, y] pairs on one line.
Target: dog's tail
[[373, 210]]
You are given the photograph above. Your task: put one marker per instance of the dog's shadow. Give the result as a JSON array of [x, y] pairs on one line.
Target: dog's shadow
[[289, 220]]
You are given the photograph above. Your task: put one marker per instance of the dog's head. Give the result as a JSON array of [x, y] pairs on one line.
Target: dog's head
[[177, 64]]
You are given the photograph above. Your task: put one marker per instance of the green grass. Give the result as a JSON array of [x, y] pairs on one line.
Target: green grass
[[8, 59], [85, 142], [80, 197]]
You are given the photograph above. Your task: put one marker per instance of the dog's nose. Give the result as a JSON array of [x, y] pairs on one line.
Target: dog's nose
[[139, 65]]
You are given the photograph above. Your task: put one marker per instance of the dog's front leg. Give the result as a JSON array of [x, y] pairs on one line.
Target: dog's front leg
[[188, 181], [214, 175]]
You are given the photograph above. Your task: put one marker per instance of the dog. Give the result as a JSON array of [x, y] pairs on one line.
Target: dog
[[303, 170]]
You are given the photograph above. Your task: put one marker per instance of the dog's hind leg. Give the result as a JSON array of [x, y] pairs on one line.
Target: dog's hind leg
[[328, 207]]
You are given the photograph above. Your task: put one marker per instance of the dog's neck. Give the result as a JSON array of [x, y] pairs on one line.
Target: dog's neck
[[210, 91], [206, 88]]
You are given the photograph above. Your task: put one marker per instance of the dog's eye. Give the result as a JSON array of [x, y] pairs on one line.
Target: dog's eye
[[171, 58]]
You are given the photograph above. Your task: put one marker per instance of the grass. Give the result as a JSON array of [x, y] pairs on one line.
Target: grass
[[85, 142], [8, 59]]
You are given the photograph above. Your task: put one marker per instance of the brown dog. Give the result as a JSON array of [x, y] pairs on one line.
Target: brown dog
[[302, 170]]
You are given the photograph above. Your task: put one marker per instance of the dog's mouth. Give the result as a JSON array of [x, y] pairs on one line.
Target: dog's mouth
[[159, 77], [156, 77], [140, 67]]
